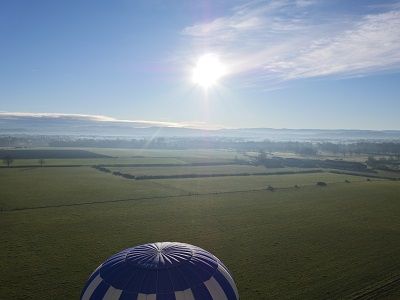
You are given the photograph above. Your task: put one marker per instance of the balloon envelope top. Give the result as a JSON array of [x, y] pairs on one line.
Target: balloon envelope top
[[158, 271]]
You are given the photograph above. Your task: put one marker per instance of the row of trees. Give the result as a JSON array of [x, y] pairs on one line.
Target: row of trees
[[382, 163], [280, 162], [311, 149], [8, 160], [372, 148], [300, 147]]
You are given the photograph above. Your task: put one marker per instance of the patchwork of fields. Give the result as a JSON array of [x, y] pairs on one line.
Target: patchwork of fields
[[94, 156], [305, 242]]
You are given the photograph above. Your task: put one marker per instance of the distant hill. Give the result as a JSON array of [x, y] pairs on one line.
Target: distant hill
[[86, 125]]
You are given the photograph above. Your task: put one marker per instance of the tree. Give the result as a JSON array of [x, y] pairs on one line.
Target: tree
[[41, 162], [371, 161], [8, 160], [262, 157]]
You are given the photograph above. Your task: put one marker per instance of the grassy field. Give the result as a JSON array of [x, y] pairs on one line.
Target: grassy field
[[37, 187], [181, 154], [124, 156], [98, 161], [240, 183], [201, 170], [334, 242]]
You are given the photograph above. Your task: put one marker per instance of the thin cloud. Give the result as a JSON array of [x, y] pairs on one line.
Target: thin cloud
[[101, 118], [305, 3], [280, 41], [371, 45], [250, 18], [11, 115]]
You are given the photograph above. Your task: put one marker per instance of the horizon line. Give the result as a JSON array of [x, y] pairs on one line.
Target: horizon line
[[168, 124]]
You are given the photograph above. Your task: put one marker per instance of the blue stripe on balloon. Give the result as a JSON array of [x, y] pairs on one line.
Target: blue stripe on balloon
[[100, 291], [118, 276], [225, 285], [170, 296], [178, 280], [191, 275], [207, 258], [205, 262], [93, 276], [201, 270], [201, 292], [205, 270], [135, 281], [149, 283], [128, 296], [164, 285]]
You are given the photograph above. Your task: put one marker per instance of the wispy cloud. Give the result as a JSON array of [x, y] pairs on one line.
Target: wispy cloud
[[10, 115], [279, 41], [101, 118], [249, 20]]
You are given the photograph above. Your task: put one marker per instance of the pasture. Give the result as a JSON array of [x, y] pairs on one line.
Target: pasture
[[111, 156], [225, 169], [335, 242]]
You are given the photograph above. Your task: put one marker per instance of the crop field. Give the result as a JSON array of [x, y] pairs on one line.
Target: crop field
[[339, 241]]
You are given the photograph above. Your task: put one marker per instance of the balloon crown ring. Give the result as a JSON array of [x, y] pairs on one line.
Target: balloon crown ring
[[159, 255]]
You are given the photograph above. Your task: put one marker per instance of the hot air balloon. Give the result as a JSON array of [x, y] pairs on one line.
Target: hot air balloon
[[161, 271]]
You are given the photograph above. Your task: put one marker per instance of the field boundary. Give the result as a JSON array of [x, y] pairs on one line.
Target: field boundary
[[189, 194], [362, 175], [102, 168]]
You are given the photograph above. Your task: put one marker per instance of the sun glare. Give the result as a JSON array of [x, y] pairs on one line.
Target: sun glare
[[208, 70]]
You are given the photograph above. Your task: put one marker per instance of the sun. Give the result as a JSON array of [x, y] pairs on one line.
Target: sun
[[208, 70]]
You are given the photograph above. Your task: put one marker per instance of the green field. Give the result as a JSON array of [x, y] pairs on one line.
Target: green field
[[248, 183], [131, 156], [335, 242], [200, 170], [98, 161], [36, 187]]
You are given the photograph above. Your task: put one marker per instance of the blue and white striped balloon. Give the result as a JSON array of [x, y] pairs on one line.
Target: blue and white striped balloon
[[161, 271]]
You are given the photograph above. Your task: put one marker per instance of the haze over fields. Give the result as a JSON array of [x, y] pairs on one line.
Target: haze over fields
[[88, 125]]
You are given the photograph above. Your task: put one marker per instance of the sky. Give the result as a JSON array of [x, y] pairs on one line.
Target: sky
[[330, 64]]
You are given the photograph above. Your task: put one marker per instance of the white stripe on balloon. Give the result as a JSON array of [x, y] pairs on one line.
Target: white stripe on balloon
[[229, 278], [215, 289], [92, 286], [112, 294], [184, 295]]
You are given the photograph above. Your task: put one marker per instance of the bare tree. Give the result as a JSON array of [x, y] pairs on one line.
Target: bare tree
[[41, 162], [8, 160]]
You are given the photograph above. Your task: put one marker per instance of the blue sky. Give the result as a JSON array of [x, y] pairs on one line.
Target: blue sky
[[291, 64]]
